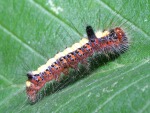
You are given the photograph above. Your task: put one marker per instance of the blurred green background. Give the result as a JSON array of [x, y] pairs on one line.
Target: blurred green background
[[33, 31]]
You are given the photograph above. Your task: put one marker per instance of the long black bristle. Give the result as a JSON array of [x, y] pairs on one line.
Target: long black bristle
[[29, 75], [90, 33]]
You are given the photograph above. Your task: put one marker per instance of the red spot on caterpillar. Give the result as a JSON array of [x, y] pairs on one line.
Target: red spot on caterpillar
[[120, 33], [112, 41]]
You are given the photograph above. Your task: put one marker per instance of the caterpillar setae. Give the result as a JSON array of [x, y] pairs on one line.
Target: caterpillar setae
[[106, 42]]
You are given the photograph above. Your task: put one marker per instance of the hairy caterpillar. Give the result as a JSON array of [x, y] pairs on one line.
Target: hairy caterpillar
[[112, 41]]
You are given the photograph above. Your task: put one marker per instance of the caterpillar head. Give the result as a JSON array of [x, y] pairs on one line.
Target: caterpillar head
[[31, 92], [31, 87], [120, 33]]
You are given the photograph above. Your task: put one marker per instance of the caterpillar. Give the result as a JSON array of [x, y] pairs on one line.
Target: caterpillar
[[111, 41]]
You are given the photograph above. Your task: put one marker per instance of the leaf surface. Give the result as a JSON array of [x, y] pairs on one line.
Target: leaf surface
[[33, 31]]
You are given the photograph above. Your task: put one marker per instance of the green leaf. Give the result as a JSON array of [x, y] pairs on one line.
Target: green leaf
[[32, 31]]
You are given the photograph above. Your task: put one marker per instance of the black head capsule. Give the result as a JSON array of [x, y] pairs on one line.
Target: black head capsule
[[112, 34], [90, 33], [29, 75]]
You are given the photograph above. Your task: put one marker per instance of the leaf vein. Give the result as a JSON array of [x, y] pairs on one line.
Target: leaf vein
[[55, 17], [15, 37], [121, 17], [6, 80], [11, 96], [73, 98], [145, 107], [118, 92]]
